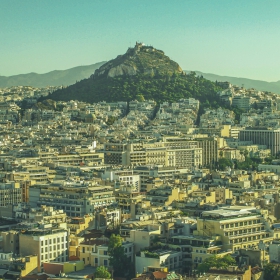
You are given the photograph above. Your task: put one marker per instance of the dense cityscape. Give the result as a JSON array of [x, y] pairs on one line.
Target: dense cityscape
[[139, 189]]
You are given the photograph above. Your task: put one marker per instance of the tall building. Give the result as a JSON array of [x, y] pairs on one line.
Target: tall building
[[241, 102], [210, 148], [185, 154], [262, 136], [10, 193], [48, 243]]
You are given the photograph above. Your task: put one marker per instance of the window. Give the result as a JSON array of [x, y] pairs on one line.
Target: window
[[105, 262], [46, 242], [42, 243], [105, 252], [96, 260]]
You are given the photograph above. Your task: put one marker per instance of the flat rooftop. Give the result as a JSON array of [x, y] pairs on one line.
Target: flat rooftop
[[222, 213]]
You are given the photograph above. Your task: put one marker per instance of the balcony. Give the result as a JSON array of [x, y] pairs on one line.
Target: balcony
[[247, 234]]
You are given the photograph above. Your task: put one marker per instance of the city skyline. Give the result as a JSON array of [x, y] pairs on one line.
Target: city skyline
[[226, 38]]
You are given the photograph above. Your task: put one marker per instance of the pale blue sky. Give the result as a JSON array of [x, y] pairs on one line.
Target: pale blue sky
[[227, 37]]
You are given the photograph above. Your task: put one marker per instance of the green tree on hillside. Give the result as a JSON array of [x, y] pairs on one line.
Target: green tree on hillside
[[127, 88], [140, 98]]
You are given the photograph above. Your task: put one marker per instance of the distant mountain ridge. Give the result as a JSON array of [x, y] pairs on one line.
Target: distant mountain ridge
[[247, 83], [54, 78], [70, 76]]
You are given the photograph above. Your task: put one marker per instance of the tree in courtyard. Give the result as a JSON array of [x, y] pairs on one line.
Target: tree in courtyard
[[224, 163], [272, 272], [217, 262], [120, 263], [102, 272]]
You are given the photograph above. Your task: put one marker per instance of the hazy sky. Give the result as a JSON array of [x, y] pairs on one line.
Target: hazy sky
[[227, 37]]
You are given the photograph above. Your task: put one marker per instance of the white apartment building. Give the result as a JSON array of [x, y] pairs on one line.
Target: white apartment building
[[159, 259], [94, 252], [48, 243]]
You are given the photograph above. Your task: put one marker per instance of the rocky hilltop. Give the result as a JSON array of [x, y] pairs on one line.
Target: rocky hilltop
[[138, 60], [142, 72]]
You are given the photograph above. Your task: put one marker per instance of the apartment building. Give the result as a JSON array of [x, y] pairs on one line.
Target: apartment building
[[17, 266], [141, 237], [151, 174], [195, 249], [9, 241], [274, 251], [127, 198], [159, 153], [47, 242], [79, 224], [10, 193], [206, 156], [127, 177], [209, 146], [237, 228], [242, 102], [107, 218], [262, 136], [46, 214], [94, 252], [76, 199], [169, 260], [115, 153], [222, 194], [165, 195]]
